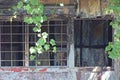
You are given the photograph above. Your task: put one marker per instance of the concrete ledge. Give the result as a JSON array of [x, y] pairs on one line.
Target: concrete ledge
[[53, 69], [56, 73]]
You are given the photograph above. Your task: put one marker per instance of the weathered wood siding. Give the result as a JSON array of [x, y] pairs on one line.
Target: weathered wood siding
[[57, 1], [85, 8], [92, 8]]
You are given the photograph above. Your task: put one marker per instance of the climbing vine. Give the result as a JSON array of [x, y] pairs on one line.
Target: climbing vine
[[113, 48], [35, 15]]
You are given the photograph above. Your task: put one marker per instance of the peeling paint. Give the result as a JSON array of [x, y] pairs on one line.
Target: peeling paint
[[34, 73], [16, 69], [43, 70]]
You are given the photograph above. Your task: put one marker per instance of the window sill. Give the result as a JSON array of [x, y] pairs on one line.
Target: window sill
[[54, 69]]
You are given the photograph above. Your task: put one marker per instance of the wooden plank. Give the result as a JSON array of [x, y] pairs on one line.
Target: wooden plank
[[89, 8], [94, 7], [49, 2]]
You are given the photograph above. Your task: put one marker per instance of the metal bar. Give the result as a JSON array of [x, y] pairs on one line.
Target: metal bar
[[81, 29], [104, 40], [26, 45], [11, 43], [0, 41], [25, 42]]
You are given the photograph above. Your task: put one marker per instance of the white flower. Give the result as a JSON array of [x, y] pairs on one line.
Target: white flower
[[61, 4]]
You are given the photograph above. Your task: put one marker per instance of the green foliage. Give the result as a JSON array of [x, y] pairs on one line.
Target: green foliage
[[45, 35], [113, 48], [54, 49], [33, 50], [34, 15], [34, 2], [41, 42], [20, 4], [52, 42], [38, 62], [32, 57], [46, 47]]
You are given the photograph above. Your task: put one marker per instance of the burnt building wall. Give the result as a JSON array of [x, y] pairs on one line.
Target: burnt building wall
[[72, 9], [92, 8]]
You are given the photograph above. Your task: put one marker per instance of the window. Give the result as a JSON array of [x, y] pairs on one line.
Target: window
[[11, 43], [16, 38], [91, 37], [57, 30]]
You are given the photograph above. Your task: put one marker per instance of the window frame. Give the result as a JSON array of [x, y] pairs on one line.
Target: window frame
[[26, 44], [106, 21]]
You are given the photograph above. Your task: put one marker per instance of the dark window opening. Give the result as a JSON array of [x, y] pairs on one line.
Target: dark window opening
[[17, 37], [91, 37], [11, 43]]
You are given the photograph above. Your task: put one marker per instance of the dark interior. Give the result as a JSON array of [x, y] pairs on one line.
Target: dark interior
[[91, 38]]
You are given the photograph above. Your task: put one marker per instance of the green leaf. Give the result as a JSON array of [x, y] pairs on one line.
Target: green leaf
[[39, 25], [28, 20], [32, 57], [112, 56], [54, 49], [30, 11], [25, 1], [35, 29], [108, 48], [45, 35], [20, 4], [41, 20], [40, 50], [36, 19], [40, 42], [40, 12], [34, 2], [27, 7], [37, 10], [33, 50], [38, 62], [40, 9], [44, 18], [52, 42], [46, 47]]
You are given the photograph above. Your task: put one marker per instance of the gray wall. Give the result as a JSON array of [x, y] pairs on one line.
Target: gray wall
[[56, 74]]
